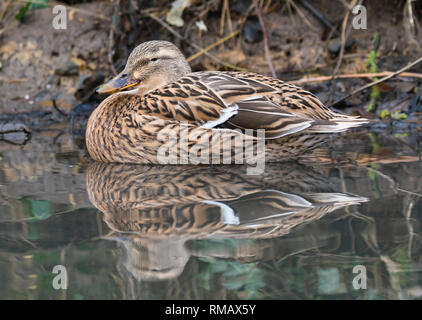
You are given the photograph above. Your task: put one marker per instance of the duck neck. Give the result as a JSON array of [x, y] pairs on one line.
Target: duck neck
[[148, 85]]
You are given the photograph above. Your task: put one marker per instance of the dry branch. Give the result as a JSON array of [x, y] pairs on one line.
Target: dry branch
[[356, 75], [369, 85], [265, 36]]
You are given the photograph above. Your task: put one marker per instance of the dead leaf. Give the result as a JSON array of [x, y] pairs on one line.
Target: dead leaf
[[72, 14], [80, 63], [8, 49], [174, 16]]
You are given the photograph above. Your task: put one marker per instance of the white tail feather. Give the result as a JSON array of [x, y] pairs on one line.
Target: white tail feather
[[338, 125]]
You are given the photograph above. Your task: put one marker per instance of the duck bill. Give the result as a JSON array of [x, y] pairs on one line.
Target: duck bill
[[118, 83]]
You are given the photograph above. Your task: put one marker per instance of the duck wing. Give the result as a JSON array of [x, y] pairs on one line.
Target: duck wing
[[188, 99], [242, 101], [276, 106]]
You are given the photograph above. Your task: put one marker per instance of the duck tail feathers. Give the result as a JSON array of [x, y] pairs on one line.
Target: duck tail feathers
[[339, 124]]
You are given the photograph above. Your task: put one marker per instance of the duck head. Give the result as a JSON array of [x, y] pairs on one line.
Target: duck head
[[151, 65]]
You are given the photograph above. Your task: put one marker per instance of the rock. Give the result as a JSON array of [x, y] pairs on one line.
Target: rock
[[16, 133], [415, 104], [404, 86], [241, 7], [65, 66], [53, 80], [252, 31], [335, 45]]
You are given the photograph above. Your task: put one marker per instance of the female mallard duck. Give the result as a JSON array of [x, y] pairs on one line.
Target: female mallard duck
[[198, 201], [217, 109], [154, 211]]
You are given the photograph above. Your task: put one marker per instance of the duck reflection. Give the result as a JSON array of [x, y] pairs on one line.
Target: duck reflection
[[155, 210]]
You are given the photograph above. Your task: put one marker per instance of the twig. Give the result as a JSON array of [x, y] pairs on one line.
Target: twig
[[292, 18], [267, 6], [215, 44], [6, 6], [225, 11], [344, 35], [346, 5], [410, 192], [193, 45], [410, 12], [354, 76], [58, 109], [265, 35], [302, 15], [4, 79], [111, 39], [369, 85], [321, 17]]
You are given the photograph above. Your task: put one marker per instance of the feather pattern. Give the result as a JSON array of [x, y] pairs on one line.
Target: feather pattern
[[125, 127], [199, 202]]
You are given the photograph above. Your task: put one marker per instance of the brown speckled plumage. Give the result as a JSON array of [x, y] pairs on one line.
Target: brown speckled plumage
[[159, 208], [125, 127], [193, 201]]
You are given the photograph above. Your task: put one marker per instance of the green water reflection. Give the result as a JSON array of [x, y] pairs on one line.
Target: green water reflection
[[153, 232]]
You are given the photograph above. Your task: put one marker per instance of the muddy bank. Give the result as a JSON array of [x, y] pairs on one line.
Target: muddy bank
[[41, 63], [52, 71]]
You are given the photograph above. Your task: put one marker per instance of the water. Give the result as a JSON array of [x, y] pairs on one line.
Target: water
[[154, 232]]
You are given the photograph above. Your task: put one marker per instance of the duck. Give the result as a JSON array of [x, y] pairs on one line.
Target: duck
[[155, 212], [160, 112], [198, 201]]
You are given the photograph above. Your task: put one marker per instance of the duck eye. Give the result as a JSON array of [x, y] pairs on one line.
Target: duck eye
[[154, 59]]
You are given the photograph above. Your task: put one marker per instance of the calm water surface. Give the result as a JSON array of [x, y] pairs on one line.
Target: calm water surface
[[153, 232]]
